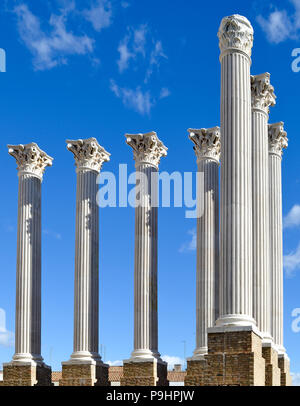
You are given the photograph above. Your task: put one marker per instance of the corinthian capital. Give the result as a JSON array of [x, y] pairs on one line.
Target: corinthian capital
[[30, 158], [277, 138], [88, 154], [236, 32], [262, 92], [207, 143], [147, 148]]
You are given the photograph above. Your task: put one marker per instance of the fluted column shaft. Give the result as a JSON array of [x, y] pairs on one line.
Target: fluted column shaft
[[276, 247], [31, 161], [277, 142], [86, 302], [207, 255], [261, 248], [145, 265], [28, 286], [236, 178]]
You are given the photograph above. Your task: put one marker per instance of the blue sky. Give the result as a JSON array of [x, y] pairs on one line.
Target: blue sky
[[79, 69]]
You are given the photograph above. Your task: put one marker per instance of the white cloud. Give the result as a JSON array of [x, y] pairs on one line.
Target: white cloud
[[291, 261], [292, 219], [165, 92], [131, 46], [53, 234], [116, 363], [280, 25], [6, 337], [191, 244], [133, 98], [50, 49], [125, 4], [156, 55], [296, 378], [100, 14], [171, 360]]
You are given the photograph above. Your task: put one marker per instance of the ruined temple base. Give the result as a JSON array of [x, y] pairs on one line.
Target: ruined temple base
[[234, 359], [273, 373], [84, 374], [26, 374], [284, 365], [148, 372]]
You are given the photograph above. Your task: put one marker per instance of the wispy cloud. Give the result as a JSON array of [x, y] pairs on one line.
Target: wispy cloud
[[116, 363], [291, 262], [157, 54], [171, 360], [100, 14], [133, 98], [53, 234], [131, 46], [52, 48], [191, 244], [139, 51], [292, 219], [280, 25], [296, 378], [165, 92], [6, 337]]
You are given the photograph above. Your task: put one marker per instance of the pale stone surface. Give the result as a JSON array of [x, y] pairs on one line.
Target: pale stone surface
[[236, 272], [262, 98], [277, 142], [89, 157], [207, 149], [31, 161], [148, 150]]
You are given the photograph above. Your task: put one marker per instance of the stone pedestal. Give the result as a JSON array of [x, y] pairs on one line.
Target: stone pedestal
[[285, 374], [85, 366], [273, 374], [150, 372], [234, 359], [26, 374], [84, 374]]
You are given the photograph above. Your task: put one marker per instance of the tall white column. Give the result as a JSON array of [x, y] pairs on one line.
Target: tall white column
[[262, 97], [89, 158], [236, 272], [31, 161], [147, 151], [277, 141], [207, 149]]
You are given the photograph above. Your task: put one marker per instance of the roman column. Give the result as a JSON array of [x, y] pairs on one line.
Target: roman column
[[89, 157], [277, 142], [145, 358], [27, 366], [262, 98], [235, 40], [207, 149]]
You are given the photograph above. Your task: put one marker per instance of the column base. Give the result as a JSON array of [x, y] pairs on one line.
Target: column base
[[285, 374], [234, 359], [82, 373], [273, 373], [145, 372], [26, 374]]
